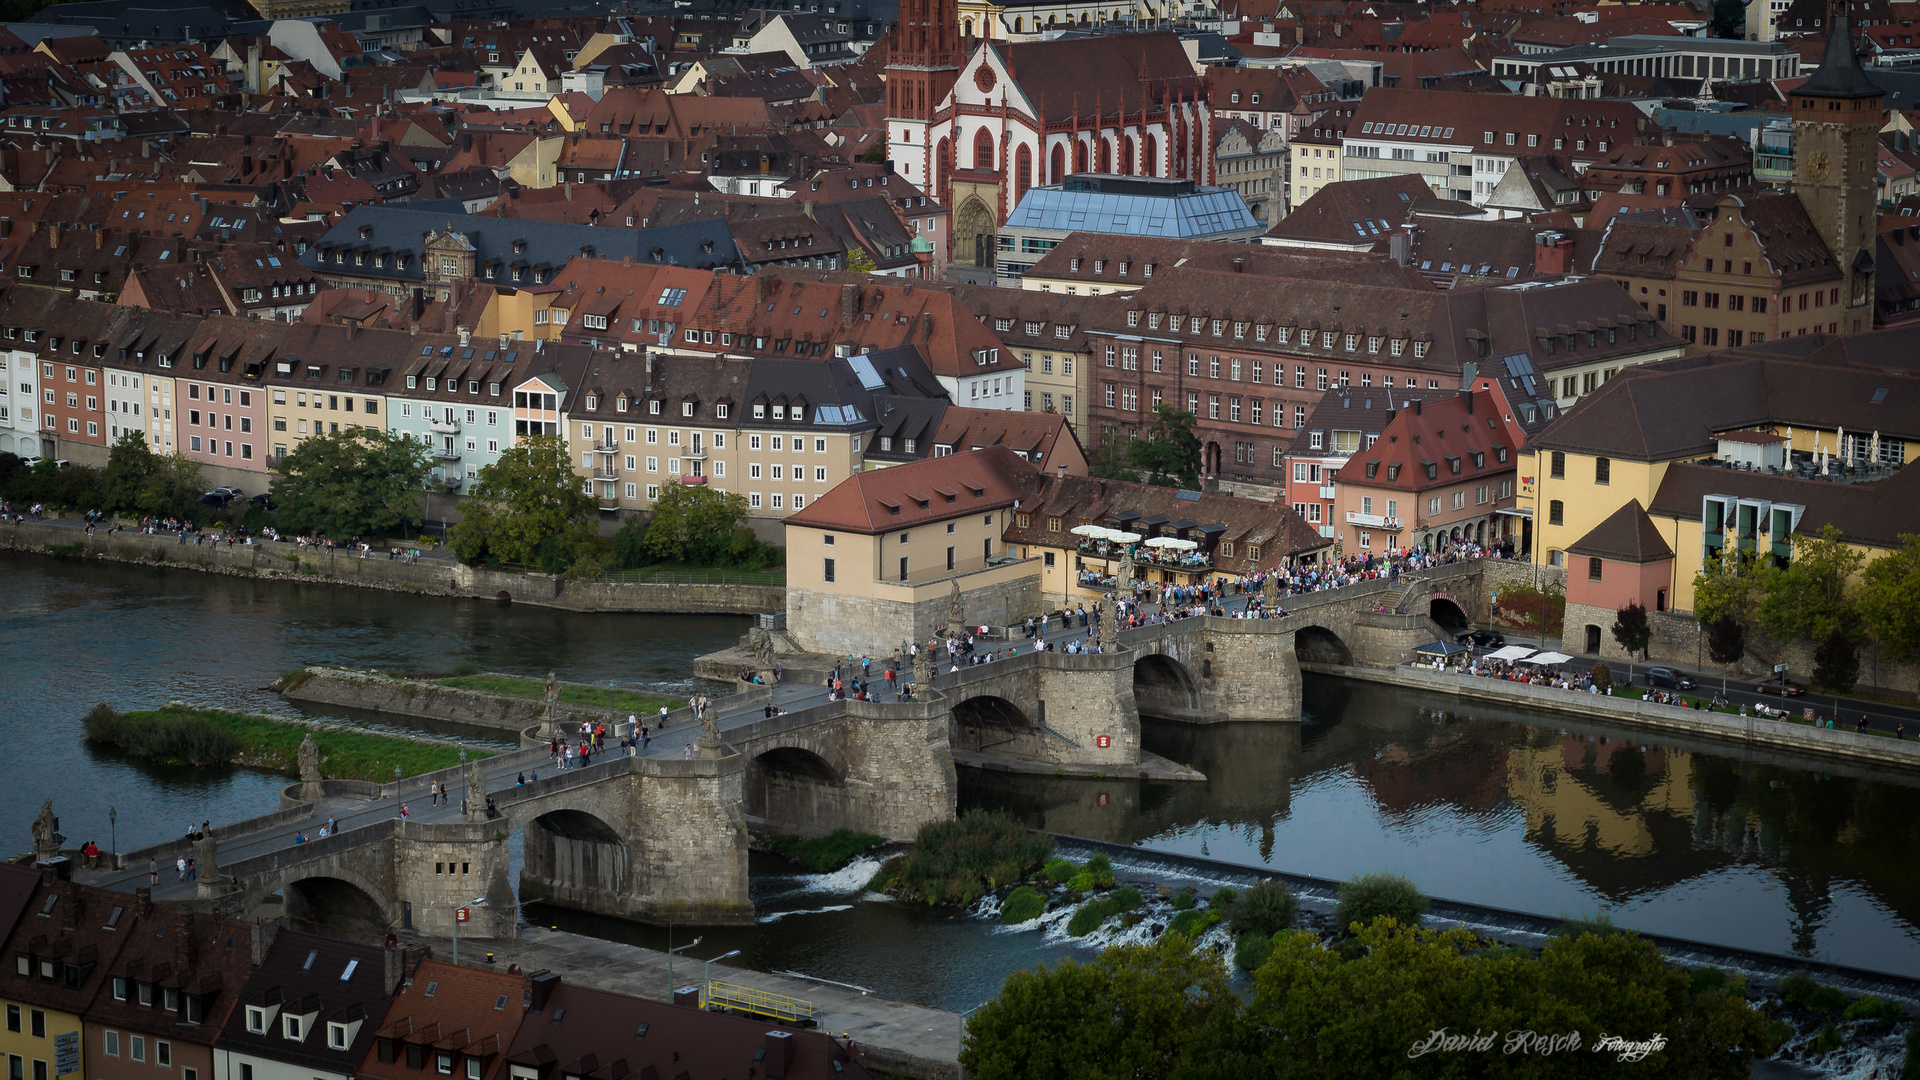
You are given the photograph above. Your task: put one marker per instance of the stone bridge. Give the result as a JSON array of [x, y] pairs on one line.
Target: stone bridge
[[662, 838]]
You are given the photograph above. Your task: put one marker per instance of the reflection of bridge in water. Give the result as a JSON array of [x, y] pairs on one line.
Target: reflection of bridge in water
[[664, 836]]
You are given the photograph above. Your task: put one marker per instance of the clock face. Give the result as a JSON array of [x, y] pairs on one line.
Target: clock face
[[1818, 166]]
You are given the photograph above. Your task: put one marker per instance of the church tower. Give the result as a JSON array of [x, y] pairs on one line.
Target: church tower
[[1836, 130], [922, 65]]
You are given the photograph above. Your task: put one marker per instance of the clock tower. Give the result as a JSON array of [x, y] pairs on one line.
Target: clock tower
[[1836, 131]]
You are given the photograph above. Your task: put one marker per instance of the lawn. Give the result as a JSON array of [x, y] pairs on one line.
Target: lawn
[[598, 697], [344, 755]]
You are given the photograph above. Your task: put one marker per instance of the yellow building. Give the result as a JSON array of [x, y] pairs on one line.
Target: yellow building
[[58, 955], [1729, 449]]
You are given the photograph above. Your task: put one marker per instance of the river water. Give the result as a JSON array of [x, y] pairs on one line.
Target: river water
[[1481, 804]]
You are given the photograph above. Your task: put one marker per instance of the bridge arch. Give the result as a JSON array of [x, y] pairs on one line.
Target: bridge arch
[[1165, 687], [986, 722], [1449, 613], [1319, 645], [338, 900], [797, 787], [575, 858]]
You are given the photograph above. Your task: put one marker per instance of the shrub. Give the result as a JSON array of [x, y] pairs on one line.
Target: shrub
[[1602, 676], [1094, 912], [1252, 950], [1223, 898], [1706, 980], [1266, 907], [1828, 1040], [830, 852], [1080, 882], [465, 667], [1369, 896], [1802, 989], [1872, 1008], [1599, 923], [1101, 868], [1192, 923], [184, 739], [1911, 1071], [1058, 871], [1022, 905], [1183, 900], [958, 862]]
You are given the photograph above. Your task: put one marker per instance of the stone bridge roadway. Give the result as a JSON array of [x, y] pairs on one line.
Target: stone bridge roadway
[[664, 836]]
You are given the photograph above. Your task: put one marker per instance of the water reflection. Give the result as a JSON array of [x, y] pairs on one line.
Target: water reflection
[[1741, 847]]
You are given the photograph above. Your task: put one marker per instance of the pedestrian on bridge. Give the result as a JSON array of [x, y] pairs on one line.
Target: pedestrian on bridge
[[404, 813], [181, 864], [332, 826], [153, 872]]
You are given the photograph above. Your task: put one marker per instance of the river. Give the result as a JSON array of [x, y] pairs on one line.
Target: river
[[1481, 804]]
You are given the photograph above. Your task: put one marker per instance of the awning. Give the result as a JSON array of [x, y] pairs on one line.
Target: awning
[[1441, 648], [1516, 511], [1546, 658], [1511, 652]]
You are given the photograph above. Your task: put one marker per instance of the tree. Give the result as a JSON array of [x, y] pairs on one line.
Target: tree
[[859, 262], [1890, 599], [1136, 1011], [630, 545], [356, 482], [1731, 583], [131, 466], [529, 496], [1726, 644], [1170, 454], [1810, 597], [1634, 633], [1110, 459], [700, 525], [1836, 663], [1729, 19]]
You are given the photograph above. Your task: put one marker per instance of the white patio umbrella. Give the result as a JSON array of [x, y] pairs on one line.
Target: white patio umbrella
[[1546, 658], [1125, 537], [1840, 448], [1873, 450], [1088, 530], [1184, 545], [1164, 541], [1511, 652]]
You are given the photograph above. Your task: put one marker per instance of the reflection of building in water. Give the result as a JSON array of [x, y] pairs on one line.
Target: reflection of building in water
[[1621, 816]]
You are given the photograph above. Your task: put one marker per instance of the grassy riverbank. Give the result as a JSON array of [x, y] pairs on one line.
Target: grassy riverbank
[[625, 701], [183, 735]]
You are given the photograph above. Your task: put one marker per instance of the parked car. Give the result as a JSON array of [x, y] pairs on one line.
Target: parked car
[[1481, 639], [229, 492], [1668, 678], [1783, 687], [263, 501], [215, 498]]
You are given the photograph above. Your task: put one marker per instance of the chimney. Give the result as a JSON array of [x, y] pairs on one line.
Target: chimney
[[926, 327], [1239, 266], [466, 335], [1416, 406], [849, 304], [53, 235], [1401, 247], [99, 239], [1552, 253], [541, 988], [393, 970], [779, 1054], [143, 901], [504, 339]]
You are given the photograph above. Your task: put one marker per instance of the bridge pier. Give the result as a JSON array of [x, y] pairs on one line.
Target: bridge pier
[[885, 769]]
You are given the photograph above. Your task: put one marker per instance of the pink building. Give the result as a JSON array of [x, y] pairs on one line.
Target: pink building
[[1623, 559]]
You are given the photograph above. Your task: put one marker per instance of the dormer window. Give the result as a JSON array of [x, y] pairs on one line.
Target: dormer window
[[256, 1020], [337, 1036], [290, 1027]]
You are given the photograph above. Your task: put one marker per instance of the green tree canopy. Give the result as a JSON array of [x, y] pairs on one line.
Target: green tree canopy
[[356, 482], [1111, 459], [1810, 598], [139, 481], [699, 524], [1133, 1012], [1170, 454], [1731, 583], [527, 498], [1890, 599]]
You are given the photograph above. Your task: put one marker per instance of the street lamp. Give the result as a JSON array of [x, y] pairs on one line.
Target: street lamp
[[706, 973], [456, 928], [960, 1069], [670, 951], [113, 834]]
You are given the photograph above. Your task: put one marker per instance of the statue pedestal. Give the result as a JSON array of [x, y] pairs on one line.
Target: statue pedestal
[[709, 747], [210, 887]]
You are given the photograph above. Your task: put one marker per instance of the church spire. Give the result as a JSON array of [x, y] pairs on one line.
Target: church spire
[[1839, 74]]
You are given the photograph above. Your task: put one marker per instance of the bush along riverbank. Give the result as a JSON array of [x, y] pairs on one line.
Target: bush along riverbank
[[178, 734], [1304, 970], [821, 854], [958, 862]]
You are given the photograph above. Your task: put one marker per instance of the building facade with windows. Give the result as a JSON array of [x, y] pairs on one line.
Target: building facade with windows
[[1442, 470], [309, 1011]]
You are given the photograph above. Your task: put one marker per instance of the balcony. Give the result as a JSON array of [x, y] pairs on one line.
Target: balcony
[[448, 453], [443, 427], [604, 474], [1326, 491], [606, 448], [1373, 521], [695, 453]]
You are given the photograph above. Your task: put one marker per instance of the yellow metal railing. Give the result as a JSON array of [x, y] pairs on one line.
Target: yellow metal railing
[[765, 1003]]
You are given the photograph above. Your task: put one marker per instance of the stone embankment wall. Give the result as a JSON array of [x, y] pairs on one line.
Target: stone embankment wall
[[435, 577], [1629, 712], [409, 697]]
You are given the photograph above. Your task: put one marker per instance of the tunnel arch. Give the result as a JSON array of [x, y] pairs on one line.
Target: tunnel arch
[[326, 902], [1449, 613], [1319, 645], [1165, 687]]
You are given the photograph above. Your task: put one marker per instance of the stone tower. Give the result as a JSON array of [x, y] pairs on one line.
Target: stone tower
[[1836, 132], [922, 67]]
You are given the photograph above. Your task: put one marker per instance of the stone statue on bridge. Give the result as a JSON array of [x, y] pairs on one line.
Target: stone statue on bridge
[[762, 644], [46, 833], [1270, 591], [923, 671], [475, 806], [1124, 586], [551, 695], [206, 856], [308, 757], [1108, 632], [956, 615]]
